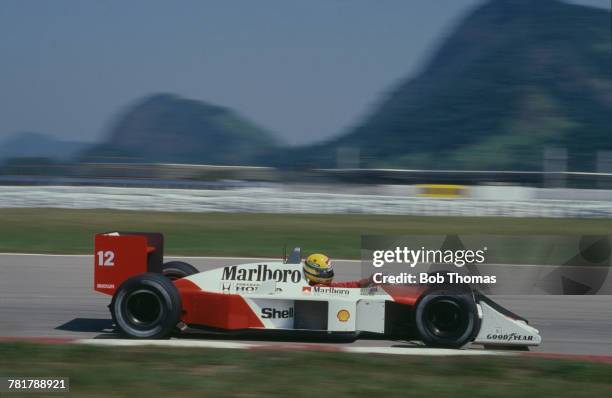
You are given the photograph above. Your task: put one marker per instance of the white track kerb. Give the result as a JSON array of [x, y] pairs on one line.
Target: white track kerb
[[192, 343]]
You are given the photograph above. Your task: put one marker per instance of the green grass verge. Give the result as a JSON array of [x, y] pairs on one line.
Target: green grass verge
[[71, 231], [155, 372]]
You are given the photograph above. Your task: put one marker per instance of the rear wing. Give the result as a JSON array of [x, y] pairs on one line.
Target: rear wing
[[121, 255]]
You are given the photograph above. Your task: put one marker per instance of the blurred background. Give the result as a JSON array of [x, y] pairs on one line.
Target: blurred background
[[462, 107]]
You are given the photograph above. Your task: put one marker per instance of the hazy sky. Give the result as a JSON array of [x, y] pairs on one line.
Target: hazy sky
[[304, 69]]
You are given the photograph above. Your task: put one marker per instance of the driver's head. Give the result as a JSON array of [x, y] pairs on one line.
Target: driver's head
[[318, 269]]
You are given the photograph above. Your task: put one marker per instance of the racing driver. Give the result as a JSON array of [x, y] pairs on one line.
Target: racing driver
[[319, 272]]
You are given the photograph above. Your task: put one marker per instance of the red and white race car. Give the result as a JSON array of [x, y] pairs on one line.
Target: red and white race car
[[153, 299]]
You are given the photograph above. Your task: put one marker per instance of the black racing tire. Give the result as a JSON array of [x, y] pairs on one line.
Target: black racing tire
[[447, 319], [174, 270], [146, 306]]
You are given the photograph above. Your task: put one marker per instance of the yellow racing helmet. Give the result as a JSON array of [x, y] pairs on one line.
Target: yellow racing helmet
[[318, 269]]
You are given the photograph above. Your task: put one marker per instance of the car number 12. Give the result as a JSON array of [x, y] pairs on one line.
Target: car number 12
[[106, 258]]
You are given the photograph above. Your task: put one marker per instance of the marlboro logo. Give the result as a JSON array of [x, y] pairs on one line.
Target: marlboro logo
[[260, 273]]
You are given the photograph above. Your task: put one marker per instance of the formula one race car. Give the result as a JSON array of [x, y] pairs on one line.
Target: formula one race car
[[153, 299]]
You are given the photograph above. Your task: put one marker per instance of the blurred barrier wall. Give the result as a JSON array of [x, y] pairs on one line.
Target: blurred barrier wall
[[277, 200]]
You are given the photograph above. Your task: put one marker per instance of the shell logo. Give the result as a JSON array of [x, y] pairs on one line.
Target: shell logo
[[343, 315]]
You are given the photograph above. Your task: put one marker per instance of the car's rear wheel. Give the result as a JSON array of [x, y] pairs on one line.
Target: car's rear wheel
[[146, 306], [174, 270], [447, 319]]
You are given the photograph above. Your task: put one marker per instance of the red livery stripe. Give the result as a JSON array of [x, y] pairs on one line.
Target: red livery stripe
[[217, 310]]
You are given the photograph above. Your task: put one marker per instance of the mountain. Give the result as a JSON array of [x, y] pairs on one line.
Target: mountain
[[36, 145], [513, 77], [167, 128]]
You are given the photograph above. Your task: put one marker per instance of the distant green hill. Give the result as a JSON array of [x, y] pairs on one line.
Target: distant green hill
[[513, 77], [166, 128], [37, 145]]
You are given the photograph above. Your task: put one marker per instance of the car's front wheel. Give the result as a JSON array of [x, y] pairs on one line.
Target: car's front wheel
[[447, 319], [146, 306]]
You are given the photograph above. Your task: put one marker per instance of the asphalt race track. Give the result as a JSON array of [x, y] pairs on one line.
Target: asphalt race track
[[52, 296]]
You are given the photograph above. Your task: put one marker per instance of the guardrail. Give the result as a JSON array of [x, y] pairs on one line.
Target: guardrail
[[127, 173], [274, 200]]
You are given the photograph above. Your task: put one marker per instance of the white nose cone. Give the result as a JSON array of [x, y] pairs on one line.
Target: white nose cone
[[498, 329]]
